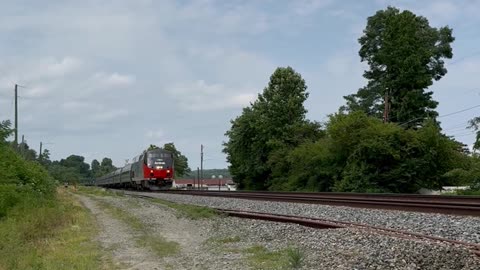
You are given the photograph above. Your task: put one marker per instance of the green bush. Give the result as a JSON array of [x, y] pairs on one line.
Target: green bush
[[20, 179], [362, 154]]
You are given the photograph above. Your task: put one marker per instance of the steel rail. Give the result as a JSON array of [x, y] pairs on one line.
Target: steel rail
[[438, 204], [327, 223]]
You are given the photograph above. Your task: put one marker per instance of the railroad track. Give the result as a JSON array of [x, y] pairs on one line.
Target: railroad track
[[454, 205], [332, 224], [322, 223]]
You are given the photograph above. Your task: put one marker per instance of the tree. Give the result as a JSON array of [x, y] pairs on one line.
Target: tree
[[5, 131], [180, 161], [152, 147], [359, 153], [44, 158], [405, 54], [475, 125], [78, 166], [275, 121], [95, 168], [106, 166]]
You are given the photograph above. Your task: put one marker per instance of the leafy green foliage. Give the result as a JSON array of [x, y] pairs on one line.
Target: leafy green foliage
[[52, 233], [19, 178], [405, 54], [180, 161], [5, 131], [361, 154], [475, 125], [274, 122]]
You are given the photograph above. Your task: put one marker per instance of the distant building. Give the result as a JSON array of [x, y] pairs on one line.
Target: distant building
[[205, 184]]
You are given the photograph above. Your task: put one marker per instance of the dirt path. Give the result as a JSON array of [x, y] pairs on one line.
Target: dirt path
[[118, 238], [193, 237]]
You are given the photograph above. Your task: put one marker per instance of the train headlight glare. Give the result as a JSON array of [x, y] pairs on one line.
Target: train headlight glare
[[151, 171], [168, 171]]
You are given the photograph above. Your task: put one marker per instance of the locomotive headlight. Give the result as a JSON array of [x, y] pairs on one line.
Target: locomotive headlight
[[168, 171], [151, 171]]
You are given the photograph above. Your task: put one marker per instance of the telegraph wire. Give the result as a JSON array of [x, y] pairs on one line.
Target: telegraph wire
[[475, 53], [445, 115], [460, 111]]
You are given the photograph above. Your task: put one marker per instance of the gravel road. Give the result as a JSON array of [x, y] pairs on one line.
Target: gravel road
[[233, 243]]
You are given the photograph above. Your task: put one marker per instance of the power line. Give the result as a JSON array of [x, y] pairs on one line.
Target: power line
[[464, 110], [445, 115], [464, 57], [455, 129], [462, 135]]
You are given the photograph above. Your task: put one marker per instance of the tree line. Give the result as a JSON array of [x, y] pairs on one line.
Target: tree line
[[74, 169], [386, 138]]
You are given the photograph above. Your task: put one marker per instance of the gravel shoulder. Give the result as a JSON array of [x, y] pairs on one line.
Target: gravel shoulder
[[118, 238], [233, 243], [462, 228]]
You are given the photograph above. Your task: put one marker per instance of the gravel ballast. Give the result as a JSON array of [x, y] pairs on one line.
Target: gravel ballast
[[461, 228], [204, 244]]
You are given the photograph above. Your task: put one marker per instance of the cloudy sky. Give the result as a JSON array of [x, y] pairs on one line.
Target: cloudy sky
[[108, 78]]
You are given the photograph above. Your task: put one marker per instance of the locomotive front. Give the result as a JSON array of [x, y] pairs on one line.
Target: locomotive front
[[159, 167]]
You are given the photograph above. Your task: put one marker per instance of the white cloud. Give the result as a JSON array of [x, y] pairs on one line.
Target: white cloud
[[155, 134], [200, 96], [306, 7], [109, 115], [60, 68], [114, 79], [77, 106], [35, 91]]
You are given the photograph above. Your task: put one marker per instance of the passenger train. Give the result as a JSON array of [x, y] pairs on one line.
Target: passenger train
[[153, 169]]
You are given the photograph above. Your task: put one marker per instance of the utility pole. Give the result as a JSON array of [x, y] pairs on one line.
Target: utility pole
[[40, 153], [16, 116], [201, 162], [198, 178]]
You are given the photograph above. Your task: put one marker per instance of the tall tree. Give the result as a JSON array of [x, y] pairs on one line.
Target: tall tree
[[275, 121], [405, 54], [106, 166], [5, 130], [180, 161], [95, 167], [77, 164], [44, 158], [475, 125]]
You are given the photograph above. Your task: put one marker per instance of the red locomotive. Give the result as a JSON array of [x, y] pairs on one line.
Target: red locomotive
[[153, 169]]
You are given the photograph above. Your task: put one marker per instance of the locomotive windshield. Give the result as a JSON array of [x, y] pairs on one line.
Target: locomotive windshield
[[159, 160]]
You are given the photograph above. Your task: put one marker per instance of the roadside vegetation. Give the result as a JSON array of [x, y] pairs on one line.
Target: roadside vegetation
[[386, 138], [100, 191], [41, 228], [260, 257]]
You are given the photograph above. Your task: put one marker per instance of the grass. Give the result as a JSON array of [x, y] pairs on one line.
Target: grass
[[468, 192], [261, 258], [295, 257], [50, 234], [188, 210], [156, 243], [100, 191], [224, 241]]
